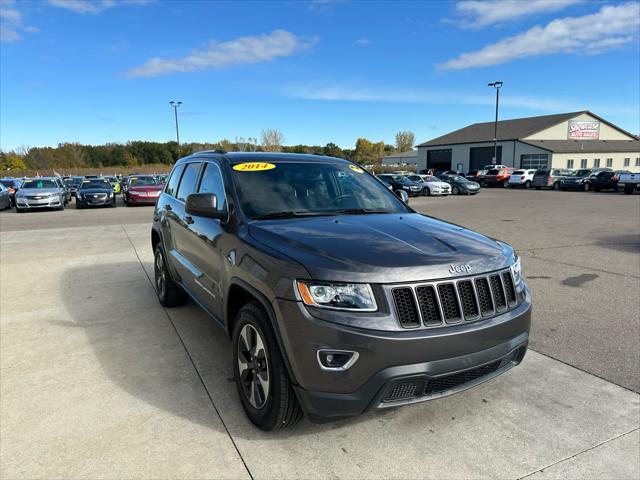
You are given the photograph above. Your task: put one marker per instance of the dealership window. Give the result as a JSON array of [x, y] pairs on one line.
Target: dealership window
[[637, 162], [609, 162], [627, 162], [596, 162], [583, 163], [570, 163], [534, 161]]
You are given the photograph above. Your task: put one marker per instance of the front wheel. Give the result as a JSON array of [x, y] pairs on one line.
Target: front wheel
[[587, 186], [170, 294], [427, 191], [260, 374], [628, 189]]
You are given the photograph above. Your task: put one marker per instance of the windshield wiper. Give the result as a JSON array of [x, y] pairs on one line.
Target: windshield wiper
[[288, 214], [360, 211]]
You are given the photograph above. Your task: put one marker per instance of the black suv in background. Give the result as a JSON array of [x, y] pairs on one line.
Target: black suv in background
[[607, 180], [337, 297]]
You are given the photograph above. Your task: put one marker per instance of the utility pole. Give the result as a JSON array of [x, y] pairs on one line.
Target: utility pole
[[497, 86], [175, 106]]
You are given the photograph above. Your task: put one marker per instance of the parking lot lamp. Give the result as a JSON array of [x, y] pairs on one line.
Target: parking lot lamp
[[175, 106], [497, 86]]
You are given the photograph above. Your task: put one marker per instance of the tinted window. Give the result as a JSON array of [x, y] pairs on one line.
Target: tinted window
[[493, 172], [95, 183], [45, 183], [188, 182], [212, 183], [172, 185], [518, 172], [141, 181]]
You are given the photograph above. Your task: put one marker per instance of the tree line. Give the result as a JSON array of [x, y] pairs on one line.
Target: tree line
[[141, 153]]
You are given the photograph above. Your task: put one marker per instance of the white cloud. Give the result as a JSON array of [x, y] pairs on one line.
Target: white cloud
[[93, 6], [364, 41], [11, 22], [444, 97], [610, 27], [250, 49], [481, 13]]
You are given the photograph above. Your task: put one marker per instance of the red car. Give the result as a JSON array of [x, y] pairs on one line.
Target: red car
[[141, 190], [498, 177]]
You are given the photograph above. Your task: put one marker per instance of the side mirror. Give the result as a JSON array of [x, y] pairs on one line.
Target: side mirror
[[204, 205], [402, 195]]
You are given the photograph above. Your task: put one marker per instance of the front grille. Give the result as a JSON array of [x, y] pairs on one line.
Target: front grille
[[406, 307], [428, 306], [442, 384], [451, 302], [402, 391], [498, 293]]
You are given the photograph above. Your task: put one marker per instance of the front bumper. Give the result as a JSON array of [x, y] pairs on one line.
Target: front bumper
[[31, 203], [412, 362], [142, 200], [89, 201]]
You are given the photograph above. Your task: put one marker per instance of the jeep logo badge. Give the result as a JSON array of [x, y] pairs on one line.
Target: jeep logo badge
[[459, 268]]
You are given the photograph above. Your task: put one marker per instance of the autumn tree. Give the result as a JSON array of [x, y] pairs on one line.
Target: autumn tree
[[11, 161], [272, 140], [368, 153], [405, 141]]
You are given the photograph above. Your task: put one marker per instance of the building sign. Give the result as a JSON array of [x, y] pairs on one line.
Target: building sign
[[584, 129]]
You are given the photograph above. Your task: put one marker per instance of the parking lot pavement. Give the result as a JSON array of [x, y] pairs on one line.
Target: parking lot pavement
[[99, 381], [581, 257]]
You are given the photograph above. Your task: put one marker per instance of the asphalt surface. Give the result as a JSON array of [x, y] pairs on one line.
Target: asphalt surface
[[98, 381]]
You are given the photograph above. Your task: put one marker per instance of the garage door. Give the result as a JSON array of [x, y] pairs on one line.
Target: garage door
[[481, 156], [534, 161], [439, 160]]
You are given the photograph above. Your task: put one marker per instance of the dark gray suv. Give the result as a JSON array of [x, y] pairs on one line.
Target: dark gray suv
[[338, 298]]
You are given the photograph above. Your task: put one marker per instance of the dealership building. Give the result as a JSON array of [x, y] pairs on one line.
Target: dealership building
[[567, 140]]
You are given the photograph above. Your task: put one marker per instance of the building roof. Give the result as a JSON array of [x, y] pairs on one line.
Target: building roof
[[591, 146], [408, 153], [507, 129]]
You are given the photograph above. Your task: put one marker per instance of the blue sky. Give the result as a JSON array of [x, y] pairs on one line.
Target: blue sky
[[319, 71]]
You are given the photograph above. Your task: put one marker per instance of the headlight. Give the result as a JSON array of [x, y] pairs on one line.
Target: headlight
[[516, 269], [339, 296]]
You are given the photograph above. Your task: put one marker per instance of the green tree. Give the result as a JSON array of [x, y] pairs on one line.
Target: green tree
[[405, 141], [11, 161]]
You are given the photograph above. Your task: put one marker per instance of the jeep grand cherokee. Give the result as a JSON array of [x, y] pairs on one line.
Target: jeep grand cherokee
[[338, 298]]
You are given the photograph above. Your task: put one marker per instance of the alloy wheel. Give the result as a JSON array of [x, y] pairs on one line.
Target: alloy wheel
[[253, 366], [161, 276]]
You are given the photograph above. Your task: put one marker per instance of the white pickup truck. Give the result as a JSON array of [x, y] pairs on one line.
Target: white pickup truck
[[629, 182]]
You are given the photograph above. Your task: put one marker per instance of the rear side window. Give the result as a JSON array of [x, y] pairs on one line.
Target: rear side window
[[172, 184], [188, 182], [212, 183], [518, 172]]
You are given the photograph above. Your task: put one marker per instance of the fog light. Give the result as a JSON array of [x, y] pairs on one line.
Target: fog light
[[336, 359]]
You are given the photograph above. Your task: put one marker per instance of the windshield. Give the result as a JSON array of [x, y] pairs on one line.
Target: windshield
[[40, 183], [73, 182], [142, 181], [311, 188], [95, 183], [580, 173]]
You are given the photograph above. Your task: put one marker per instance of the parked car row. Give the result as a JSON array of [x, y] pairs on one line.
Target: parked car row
[[91, 190], [414, 184]]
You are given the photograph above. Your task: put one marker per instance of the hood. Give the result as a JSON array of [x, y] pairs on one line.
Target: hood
[[39, 191], [145, 188], [385, 248], [91, 191], [439, 183]]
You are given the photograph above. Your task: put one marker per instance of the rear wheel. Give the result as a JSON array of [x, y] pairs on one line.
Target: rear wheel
[[556, 185], [455, 191], [170, 294], [260, 374], [527, 184]]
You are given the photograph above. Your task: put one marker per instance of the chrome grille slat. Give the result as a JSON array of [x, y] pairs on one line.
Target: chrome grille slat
[[448, 302]]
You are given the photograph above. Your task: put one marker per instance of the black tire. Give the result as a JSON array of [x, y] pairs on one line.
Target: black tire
[[455, 191], [587, 186], [527, 184], [170, 294], [538, 188], [556, 185], [628, 189], [19, 210], [78, 206], [278, 407], [427, 191]]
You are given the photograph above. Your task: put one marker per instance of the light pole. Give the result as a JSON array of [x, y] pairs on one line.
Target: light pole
[[175, 106], [497, 86]]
